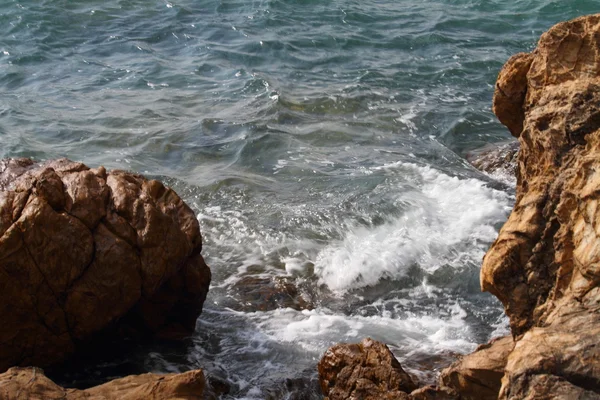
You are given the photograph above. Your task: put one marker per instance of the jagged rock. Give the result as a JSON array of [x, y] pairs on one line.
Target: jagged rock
[[544, 264], [499, 161], [253, 293], [85, 250], [478, 376], [31, 383], [509, 95], [367, 370]]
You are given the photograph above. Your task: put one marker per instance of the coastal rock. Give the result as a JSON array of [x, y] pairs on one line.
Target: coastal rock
[[478, 376], [499, 161], [367, 370], [254, 293], [85, 251], [31, 383], [544, 264], [435, 393]]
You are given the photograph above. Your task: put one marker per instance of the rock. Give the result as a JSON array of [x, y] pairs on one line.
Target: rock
[[84, 252], [544, 264], [478, 376], [367, 370], [435, 393], [558, 361], [268, 293], [511, 87], [426, 367], [499, 161], [31, 383]]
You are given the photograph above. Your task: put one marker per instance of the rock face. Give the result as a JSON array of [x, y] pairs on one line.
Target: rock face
[[32, 384], [478, 375], [545, 264], [84, 251], [367, 370]]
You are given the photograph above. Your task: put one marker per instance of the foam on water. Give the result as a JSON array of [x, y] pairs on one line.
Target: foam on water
[[449, 221], [421, 325], [316, 330]]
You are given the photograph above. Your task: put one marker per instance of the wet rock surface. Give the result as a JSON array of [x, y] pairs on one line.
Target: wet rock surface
[[366, 370], [259, 293], [85, 252], [499, 161], [31, 383]]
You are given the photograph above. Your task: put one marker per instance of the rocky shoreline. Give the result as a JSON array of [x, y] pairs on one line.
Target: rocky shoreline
[[87, 255], [544, 264]]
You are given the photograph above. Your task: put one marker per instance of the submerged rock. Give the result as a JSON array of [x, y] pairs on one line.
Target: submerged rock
[[367, 370], [254, 293], [31, 383], [84, 252], [499, 161]]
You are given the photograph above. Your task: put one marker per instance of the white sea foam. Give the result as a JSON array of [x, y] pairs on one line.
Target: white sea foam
[[316, 330], [450, 221]]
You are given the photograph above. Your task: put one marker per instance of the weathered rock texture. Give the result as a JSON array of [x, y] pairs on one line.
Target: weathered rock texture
[[253, 293], [85, 250], [499, 161], [367, 370], [545, 264], [478, 376], [31, 383]]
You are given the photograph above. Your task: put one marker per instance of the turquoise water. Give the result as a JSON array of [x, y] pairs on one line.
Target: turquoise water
[[322, 141]]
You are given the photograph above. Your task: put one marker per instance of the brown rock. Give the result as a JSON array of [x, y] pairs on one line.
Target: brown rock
[[543, 253], [544, 264], [478, 376], [558, 361], [31, 383], [367, 370], [509, 95], [435, 393], [85, 251]]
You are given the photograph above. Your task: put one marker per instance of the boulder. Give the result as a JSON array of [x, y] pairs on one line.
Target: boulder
[[84, 252], [367, 370], [478, 376], [31, 383], [544, 265]]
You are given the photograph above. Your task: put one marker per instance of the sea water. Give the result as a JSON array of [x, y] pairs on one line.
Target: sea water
[[318, 141]]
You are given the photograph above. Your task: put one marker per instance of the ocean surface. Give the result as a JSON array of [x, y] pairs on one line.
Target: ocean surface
[[322, 145]]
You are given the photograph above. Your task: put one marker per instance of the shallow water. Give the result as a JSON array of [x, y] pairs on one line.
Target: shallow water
[[318, 141]]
